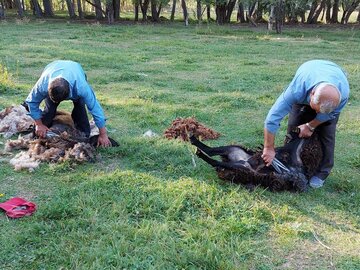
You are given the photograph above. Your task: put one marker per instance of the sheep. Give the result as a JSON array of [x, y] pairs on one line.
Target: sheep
[[67, 144], [245, 166]]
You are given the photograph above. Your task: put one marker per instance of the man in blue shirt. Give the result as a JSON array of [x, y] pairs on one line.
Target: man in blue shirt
[[313, 100], [66, 80]]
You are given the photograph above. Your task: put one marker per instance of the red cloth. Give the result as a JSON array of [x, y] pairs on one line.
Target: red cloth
[[18, 207]]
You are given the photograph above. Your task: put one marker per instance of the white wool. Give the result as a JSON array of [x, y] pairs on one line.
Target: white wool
[[24, 161], [14, 120]]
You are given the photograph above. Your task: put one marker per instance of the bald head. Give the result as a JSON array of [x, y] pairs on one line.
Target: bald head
[[326, 97]]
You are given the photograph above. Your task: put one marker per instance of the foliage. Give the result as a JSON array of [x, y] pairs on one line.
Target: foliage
[[294, 9], [6, 81], [144, 205]]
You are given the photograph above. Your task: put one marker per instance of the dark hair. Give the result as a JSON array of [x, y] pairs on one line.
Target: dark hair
[[58, 90]]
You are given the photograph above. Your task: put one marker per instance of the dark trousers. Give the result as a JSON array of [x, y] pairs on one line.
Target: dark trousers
[[301, 114], [78, 115]]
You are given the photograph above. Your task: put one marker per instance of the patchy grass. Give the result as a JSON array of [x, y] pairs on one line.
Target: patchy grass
[[144, 205]]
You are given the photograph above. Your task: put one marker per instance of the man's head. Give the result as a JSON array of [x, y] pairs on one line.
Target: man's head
[[58, 90], [325, 98]]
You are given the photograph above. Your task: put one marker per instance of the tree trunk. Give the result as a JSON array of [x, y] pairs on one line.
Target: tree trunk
[[198, 11], [240, 14], [98, 10], [154, 13], [144, 7], [185, 12], [292, 13], [318, 11], [110, 11], [48, 11], [328, 11], [279, 16], [208, 9], [159, 11], [136, 11], [37, 9], [2, 10], [20, 8], [116, 5], [252, 8], [80, 11], [220, 11], [315, 11], [313, 8], [229, 9], [348, 11], [173, 11], [71, 10], [271, 17], [335, 12]]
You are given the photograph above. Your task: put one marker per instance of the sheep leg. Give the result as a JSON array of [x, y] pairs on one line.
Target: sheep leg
[[210, 151]]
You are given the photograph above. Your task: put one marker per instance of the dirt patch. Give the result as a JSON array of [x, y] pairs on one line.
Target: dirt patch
[[181, 128]]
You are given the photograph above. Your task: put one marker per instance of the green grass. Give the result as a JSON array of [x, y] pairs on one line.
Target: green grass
[[144, 205]]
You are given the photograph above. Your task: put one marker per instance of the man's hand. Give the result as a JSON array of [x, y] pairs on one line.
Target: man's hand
[[268, 155], [305, 131], [269, 147], [40, 129], [103, 140]]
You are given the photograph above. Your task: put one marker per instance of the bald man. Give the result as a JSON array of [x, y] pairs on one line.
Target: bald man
[[313, 100]]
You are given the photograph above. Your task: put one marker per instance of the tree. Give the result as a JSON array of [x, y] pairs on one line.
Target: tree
[[144, 5], [349, 8], [155, 12], [335, 12], [36, 8], [276, 16], [173, 11], [80, 11], [224, 10], [136, 10], [198, 11], [241, 12], [185, 12], [2, 10], [48, 11], [71, 10], [315, 10], [20, 8], [110, 11]]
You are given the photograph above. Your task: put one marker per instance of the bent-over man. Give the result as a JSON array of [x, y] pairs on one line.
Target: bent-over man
[[313, 100], [66, 80]]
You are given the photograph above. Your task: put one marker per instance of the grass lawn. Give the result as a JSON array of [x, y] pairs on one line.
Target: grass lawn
[[144, 205]]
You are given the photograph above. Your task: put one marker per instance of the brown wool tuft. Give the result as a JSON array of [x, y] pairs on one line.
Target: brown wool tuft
[[181, 128]]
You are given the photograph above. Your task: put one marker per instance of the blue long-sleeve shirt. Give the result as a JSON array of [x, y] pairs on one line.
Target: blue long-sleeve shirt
[[79, 89], [309, 75]]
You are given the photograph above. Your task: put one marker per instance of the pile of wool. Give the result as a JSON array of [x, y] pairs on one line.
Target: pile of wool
[[181, 128], [55, 149], [14, 120], [70, 144]]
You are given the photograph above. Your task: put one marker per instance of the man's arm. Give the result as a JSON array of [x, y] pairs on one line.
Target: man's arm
[[96, 111], [269, 147]]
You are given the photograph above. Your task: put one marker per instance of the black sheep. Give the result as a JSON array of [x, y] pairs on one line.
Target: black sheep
[[245, 166]]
